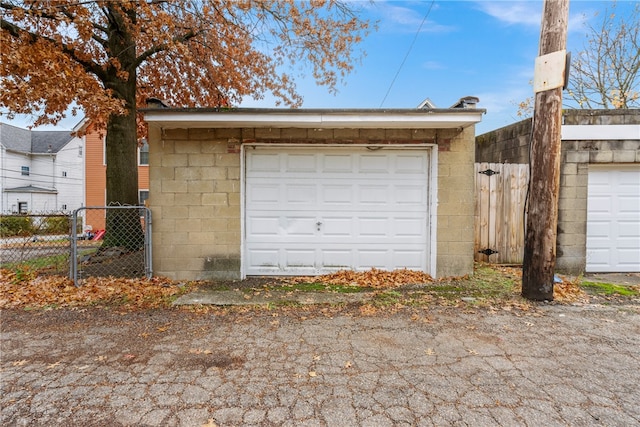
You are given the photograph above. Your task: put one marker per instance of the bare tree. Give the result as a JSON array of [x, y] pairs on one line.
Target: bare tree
[[606, 73]]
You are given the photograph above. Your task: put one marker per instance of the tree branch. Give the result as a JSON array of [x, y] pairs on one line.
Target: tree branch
[[162, 47], [17, 32]]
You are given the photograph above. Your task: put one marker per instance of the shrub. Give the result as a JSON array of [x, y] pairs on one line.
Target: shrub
[[57, 224], [15, 225]]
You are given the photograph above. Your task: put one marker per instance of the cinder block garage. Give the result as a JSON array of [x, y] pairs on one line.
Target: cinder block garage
[[240, 193], [599, 201]]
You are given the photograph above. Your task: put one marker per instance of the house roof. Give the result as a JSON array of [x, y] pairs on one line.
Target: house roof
[[423, 118], [33, 141], [30, 189]]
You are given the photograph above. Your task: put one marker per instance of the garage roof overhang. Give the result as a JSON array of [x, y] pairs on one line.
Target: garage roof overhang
[[450, 118]]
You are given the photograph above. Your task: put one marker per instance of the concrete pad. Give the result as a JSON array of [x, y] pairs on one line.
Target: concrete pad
[[239, 297]]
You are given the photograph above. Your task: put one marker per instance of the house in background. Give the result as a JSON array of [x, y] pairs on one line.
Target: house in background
[[599, 201], [40, 171], [248, 192], [55, 171], [95, 167]]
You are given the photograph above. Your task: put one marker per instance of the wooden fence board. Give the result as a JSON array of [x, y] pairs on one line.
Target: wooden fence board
[[500, 200]]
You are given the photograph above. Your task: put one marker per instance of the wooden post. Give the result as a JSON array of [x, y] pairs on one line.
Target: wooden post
[[542, 207]]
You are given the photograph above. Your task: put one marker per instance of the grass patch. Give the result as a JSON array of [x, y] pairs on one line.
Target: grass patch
[[59, 262], [485, 283], [609, 289], [319, 287], [388, 297]]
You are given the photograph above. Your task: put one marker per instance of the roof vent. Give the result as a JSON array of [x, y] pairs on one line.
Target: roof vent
[[426, 105], [156, 103], [466, 102]]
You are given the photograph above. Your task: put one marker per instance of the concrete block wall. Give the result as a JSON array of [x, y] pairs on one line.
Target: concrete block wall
[[195, 202], [456, 203], [510, 145], [195, 193]]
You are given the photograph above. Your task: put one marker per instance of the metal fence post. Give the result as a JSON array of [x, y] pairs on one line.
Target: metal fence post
[[73, 259]]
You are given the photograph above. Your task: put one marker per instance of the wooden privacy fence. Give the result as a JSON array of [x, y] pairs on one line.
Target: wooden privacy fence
[[501, 191]]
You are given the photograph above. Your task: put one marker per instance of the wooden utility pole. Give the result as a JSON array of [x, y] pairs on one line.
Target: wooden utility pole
[[544, 182]]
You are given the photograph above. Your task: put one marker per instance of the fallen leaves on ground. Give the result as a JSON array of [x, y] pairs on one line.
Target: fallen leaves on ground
[[566, 291], [35, 291], [569, 291], [58, 291], [373, 278]]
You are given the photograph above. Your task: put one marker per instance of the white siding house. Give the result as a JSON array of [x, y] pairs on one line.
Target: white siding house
[[40, 171]]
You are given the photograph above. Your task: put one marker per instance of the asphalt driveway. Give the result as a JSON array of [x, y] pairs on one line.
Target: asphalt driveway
[[552, 366]]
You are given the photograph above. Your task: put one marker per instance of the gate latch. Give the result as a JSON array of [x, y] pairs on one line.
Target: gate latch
[[488, 251]]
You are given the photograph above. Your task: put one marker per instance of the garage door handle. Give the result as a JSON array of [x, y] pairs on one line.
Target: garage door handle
[[318, 224]]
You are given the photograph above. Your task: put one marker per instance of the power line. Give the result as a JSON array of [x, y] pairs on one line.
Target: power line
[[413, 42]]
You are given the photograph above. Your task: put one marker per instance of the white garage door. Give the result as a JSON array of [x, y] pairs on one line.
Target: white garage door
[[613, 219], [312, 211]]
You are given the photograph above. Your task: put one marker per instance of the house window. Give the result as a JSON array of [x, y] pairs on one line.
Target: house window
[[64, 174], [143, 195], [22, 207], [143, 157], [25, 170]]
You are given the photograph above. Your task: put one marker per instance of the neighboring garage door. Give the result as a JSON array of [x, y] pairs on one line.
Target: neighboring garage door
[[318, 210], [613, 219]]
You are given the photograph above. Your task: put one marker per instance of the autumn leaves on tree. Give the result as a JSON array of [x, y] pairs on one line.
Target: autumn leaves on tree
[[106, 57]]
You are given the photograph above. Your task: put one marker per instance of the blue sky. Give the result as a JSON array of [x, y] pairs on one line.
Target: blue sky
[[481, 48]]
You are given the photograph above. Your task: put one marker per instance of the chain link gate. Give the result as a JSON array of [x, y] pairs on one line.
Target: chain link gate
[[115, 241]]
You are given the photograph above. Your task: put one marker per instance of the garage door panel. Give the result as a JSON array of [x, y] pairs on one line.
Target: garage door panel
[[629, 229], [613, 219], [601, 230], [373, 258], [334, 163], [410, 195], [301, 163], [261, 258], [334, 258], [374, 194], [410, 227], [411, 259], [263, 226], [373, 227], [264, 193], [410, 164], [299, 194], [628, 257], [374, 164], [337, 194], [295, 226], [264, 162], [299, 257], [336, 226], [334, 209], [629, 205]]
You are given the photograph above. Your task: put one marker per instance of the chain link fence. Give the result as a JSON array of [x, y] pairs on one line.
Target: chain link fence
[[35, 242], [90, 242], [115, 241]]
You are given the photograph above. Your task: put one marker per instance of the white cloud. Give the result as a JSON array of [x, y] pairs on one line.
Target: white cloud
[[433, 65], [528, 13], [513, 12], [399, 17]]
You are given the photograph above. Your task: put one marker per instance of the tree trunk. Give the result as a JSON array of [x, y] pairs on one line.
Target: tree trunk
[[544, 184], [123, 226]]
